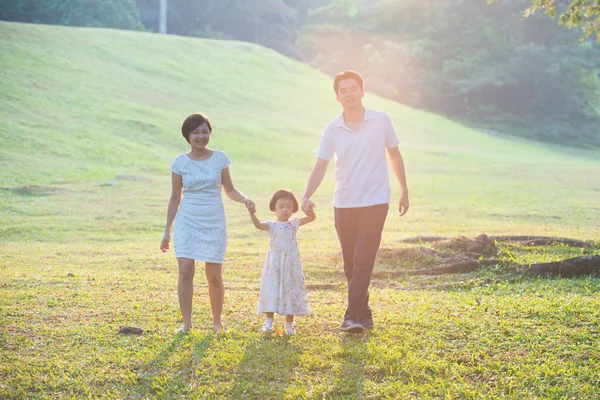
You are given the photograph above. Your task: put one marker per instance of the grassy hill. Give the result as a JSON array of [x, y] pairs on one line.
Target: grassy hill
[[89, 124], [80, 106]]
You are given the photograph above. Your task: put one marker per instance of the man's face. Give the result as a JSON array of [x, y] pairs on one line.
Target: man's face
[[349, 93]]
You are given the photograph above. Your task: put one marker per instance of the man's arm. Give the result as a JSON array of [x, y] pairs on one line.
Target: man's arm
[[314, 180], [398, 167]]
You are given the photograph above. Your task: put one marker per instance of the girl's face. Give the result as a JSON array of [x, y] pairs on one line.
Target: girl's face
[[284, 208], [200, 137]]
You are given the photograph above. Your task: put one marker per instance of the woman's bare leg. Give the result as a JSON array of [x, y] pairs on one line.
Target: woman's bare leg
[[216, 292], [185, 290]]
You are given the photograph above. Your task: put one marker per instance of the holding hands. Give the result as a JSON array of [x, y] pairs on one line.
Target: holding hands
[[307, 206], [250, 206]]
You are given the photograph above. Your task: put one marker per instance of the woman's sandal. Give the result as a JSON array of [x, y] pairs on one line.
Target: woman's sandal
[[183, 331]]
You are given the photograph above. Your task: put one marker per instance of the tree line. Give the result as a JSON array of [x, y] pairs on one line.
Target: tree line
[[481, 62]]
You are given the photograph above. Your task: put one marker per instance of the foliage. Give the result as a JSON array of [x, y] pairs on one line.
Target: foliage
[[468, 60], [572, 13], [271, 23], [121, 14]]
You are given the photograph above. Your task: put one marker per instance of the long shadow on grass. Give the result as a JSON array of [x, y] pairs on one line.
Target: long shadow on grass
[[168, 372], [349, 384], [266, 369]]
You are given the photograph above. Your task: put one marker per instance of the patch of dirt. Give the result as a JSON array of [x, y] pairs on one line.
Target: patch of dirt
[[482, 245], [36, 190], [463, 255]]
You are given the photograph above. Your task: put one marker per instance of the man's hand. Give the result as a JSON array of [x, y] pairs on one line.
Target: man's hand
[[403, 203], [307, 206]]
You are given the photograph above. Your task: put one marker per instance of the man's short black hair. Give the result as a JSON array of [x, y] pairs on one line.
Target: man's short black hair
[[347, 75]]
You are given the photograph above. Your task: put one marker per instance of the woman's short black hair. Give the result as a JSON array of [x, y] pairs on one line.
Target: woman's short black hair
[[347, 75], [192, 122], [283, 194]]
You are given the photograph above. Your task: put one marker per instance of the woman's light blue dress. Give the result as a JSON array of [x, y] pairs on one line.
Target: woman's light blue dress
[[200, 231]]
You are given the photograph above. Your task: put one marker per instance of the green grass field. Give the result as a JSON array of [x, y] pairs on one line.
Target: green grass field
[[89, 124]]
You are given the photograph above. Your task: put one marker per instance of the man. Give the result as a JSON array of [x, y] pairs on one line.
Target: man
[[359, 137]]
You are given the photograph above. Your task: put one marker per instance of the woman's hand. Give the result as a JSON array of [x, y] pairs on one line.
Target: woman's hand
[[250, 206], [164, 244]]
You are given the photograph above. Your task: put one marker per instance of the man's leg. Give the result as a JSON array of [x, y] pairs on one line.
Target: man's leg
[[369, 229], [346, 222]]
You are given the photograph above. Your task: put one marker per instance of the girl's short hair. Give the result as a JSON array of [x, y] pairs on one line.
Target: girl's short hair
[[192, 122], [283, 194]]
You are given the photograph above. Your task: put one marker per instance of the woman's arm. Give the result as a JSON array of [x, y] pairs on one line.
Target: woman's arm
[[230, 190], [174, 201]]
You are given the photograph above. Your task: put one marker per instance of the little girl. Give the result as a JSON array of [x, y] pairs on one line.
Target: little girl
[[282, 288]]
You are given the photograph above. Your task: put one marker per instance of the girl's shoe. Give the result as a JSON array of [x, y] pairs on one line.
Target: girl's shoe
[[291, 332], [266, 331]]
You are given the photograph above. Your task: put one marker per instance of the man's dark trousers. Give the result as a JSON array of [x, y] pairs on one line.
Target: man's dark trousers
[[359, 231]]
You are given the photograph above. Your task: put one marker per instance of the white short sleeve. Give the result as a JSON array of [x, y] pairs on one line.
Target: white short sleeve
[[176, 165], [226, 160], [326, 150]]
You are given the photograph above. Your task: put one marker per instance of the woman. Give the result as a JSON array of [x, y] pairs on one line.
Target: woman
[[200, 228]]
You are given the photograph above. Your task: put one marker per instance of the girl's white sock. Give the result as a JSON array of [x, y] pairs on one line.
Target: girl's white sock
[[289, 326], [269, 323]]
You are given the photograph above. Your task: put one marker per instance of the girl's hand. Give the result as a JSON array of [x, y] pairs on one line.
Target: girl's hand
[[250, 206], [164, 244], [307, 206]]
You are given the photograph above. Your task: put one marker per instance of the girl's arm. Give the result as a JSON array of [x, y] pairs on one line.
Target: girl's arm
[[263, 226], [308, 218], [174, 201]]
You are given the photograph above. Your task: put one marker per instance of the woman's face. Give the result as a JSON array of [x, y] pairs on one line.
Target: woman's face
[[200, 137]]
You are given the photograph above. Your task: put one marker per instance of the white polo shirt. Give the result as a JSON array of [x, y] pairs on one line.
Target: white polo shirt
[[361, 169]]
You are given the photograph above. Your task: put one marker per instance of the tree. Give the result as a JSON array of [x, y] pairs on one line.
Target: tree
[[485, 65], [572, 13], [271, 23], [121, 14]]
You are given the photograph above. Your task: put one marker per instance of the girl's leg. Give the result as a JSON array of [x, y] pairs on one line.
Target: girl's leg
[[185, 290], [289, 325], [268, 327], [216, 292]]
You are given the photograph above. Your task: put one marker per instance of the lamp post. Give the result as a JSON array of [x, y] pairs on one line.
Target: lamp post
[[163, 17]]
